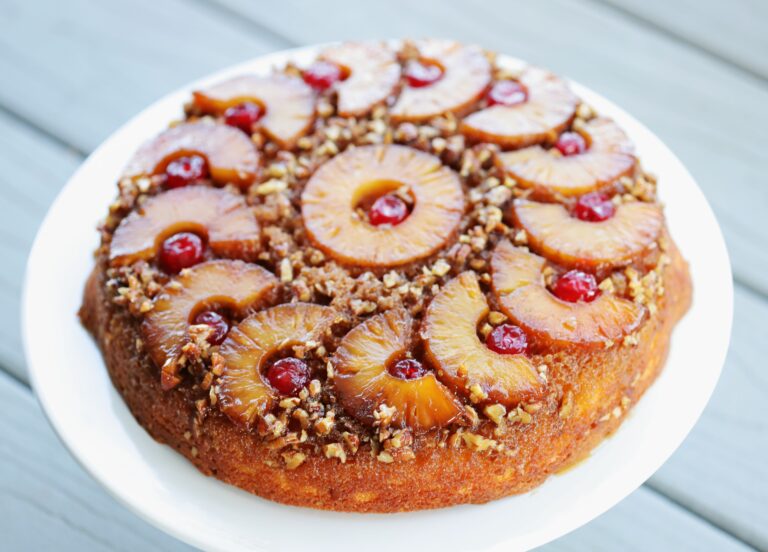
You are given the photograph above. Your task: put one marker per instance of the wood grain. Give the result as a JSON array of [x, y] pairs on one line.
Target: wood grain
[[101, 62], [720, 470], [34, 169], [735, 31], [633, 525], [48, 501]]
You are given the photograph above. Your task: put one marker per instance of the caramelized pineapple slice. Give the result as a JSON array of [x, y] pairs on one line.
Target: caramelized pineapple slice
[[466, 73], [243, 391], [364, 383], [519, 285], [232, 286], [608, 157], [354, 177], [288, 103], [372, 75], [230, 155], [219, 216], [547, 111], [552, 232], [462, 361]]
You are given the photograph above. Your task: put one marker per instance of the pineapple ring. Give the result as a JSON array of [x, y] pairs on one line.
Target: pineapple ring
[[552, 232], [288, 102], [518, 283], [608, 158], [549, 109], [219, 215], [236, 285], [243, 393], [337, 187], [373, 75], [463, 362], [466, 75], [363, 383], [230, 155]]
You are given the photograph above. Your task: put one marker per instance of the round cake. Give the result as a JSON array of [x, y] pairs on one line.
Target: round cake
[[402, 276]]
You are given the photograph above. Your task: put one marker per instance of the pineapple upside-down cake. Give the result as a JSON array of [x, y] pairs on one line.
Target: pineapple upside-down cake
[[395, 278]]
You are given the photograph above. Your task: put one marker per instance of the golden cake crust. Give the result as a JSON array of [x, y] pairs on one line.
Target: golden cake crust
[[599, 388]]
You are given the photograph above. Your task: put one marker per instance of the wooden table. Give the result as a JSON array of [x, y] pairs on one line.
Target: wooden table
[[696, 72]]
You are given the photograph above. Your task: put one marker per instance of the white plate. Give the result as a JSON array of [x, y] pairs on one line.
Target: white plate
[[71, 382]]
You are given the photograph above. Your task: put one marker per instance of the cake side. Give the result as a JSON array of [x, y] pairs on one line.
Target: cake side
[[443, 473]]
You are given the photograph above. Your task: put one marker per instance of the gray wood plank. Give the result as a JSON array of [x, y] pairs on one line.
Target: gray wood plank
[[34, 169], [736, 31], [634, 525], [47, 502], [711, 116], [720, 470], [80, 77], [50, 503]]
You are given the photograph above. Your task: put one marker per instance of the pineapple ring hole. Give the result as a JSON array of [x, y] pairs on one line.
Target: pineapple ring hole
[[234, 102], [580, 132], [162, 166], [220, 304], [367, 193], [280, 352], [192, 227], [397, 356], [432, 62]]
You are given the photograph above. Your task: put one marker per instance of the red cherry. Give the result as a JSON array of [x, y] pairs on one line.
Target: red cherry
[[244, 116], [288, 376], [388, 209], [507, 92], [407, 369], [571, 143], [217, 322], [507, 339], [321, 75], [180, 251], [185, 170], [594, 207], [575, 286], [422, 73]]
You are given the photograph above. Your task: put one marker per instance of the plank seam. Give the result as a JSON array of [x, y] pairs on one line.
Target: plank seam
[[749, 286], [654, 27], [651, 487], [244, 21], [42, 131]]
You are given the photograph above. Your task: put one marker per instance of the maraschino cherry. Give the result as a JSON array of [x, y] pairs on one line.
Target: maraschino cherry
[[507, 93], [571, 143], [422, 73], [575, 286], [594, 207], [507, 339], [185, 170], [218, 323], [321, 75], [407, 369], [181, 251], [288, 376], [388, 209], [244, 116]]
